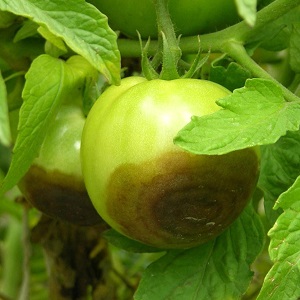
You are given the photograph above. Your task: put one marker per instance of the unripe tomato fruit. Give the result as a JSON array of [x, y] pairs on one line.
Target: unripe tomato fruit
[[54, 183], [190, 17], [146, 187]]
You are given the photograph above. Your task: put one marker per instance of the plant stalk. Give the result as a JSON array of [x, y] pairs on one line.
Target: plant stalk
[[168, 47], [78, 260], [213, 42], [240, 55]]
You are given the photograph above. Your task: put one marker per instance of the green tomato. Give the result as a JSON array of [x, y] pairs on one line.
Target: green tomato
[[54, 183], [190, 17], [146, 187]]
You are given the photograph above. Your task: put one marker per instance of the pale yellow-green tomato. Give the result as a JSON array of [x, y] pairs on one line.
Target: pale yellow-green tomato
[[146, 187]]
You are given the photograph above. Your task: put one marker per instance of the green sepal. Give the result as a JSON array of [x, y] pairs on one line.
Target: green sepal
[[148, 70], [197, 63]]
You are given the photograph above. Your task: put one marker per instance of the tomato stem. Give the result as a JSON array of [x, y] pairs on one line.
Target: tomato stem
[[213, 42], [239, 54], [168, 46], [12, 264], [164, 23]]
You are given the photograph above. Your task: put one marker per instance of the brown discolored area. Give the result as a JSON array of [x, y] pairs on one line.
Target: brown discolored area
[[59, 196], [180, 199]]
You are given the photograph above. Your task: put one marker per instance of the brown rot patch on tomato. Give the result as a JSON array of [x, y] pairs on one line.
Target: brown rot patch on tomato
[[59, 196], [180, 199]]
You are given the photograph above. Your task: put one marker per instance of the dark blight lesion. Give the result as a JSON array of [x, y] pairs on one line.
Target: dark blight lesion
[[59, 196], [180, 199]]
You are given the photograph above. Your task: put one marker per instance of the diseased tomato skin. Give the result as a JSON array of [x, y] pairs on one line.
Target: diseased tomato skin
[[146, 187], [54, 183], [190, 17]]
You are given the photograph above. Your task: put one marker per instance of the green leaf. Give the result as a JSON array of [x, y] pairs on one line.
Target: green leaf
[[290, 199], [53, 39], [197, 63], [219, 269], [247, 10], [95, 84], [148, 71], [295, 48], [49, 82], [28, 29], [5, 157], [127, 244], [282, 281], [5, 135], [13, 258], [83, 28], [279, 169], [254, 115], [43, 88], [11, 208], [275, 36], [228, 73]]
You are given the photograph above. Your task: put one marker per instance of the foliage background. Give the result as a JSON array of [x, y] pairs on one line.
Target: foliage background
[[49, 49]]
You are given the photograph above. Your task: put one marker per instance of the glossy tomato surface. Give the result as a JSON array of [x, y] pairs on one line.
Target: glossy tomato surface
[[190, 17], [146, 187]]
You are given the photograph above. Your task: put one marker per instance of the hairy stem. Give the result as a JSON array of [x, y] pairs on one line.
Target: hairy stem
[[239, 54], [164, 22], [78, 260], [24, 293], [169, 49], [12, 262], [214, 42]]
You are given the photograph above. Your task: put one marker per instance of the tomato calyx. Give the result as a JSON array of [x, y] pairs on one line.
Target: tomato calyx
[[168, 54]]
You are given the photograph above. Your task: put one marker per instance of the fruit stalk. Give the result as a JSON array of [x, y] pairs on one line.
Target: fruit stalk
[[77, 259]]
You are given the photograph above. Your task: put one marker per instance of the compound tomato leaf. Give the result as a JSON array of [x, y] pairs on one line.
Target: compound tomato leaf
[[279, 170], [219, 269], [256, 114], [48, 81], [28, 29], [276, 34], [54, 42], [247, 10], [125, 243], [228, 73], [41, 101], [282, 281], [83, 28]]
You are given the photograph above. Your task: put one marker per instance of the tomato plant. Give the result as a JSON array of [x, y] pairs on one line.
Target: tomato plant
[[148, 188], [203, 16], [190, 149]]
